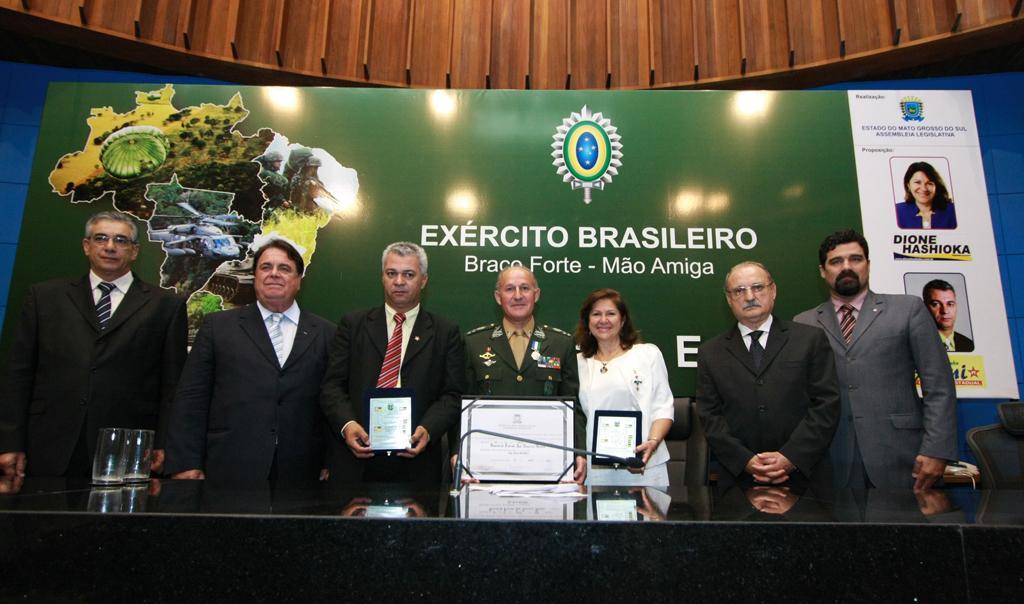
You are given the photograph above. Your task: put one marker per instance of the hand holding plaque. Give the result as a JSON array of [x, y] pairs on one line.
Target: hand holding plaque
[[389, 413], [616, 434]]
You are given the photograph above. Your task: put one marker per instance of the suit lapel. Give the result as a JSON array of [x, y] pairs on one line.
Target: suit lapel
[[376, 326], [251, 322], [869, 311], [138, 296], [80, 294], [304, 336], [777, 338], [734, 344], [828, 322], [422, 334]]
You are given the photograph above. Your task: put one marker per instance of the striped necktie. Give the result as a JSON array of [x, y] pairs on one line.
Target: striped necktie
[[277, 336], [393, 356], [848, 322], [103, 306]]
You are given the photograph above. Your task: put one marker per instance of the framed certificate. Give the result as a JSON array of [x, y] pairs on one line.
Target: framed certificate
[[483, 505], [389, 418], [491, 458], [616, 433]]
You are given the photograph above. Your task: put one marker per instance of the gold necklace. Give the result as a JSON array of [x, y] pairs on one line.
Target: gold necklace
[[604, 364]]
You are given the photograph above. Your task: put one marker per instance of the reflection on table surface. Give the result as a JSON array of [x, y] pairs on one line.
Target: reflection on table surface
[[951, 505]]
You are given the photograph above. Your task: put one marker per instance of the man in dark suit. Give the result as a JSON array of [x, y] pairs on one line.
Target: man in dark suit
[[247, 405], [97, 352], [766, 389], [427, 356], [940, 297], [889, 437]]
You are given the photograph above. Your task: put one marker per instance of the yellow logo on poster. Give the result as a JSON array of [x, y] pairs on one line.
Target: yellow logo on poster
[[968, 370]]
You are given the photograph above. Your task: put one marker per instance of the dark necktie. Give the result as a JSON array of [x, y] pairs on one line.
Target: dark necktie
[[756, 350], [848, 322], [393, 356], [103, 306]]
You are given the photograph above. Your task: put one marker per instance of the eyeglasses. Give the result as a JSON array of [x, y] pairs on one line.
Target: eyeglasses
[[741, 291], [119, 240]]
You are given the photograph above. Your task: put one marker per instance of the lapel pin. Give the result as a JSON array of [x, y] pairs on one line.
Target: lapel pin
[[417, 338]]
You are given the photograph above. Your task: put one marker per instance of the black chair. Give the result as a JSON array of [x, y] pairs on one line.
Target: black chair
[[999, 448], [687, 446]]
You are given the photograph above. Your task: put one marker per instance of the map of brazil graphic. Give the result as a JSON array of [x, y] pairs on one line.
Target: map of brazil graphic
[[208, 194]]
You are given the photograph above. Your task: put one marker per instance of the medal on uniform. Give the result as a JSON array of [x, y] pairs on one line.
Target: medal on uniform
[[488, 357]]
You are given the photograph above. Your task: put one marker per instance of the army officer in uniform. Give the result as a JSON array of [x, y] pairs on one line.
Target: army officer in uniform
[[520, 357]]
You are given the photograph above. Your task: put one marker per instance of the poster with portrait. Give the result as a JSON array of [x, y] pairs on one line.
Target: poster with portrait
[[926, 217]]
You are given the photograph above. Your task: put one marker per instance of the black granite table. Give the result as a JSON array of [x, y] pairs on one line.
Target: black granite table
[[192, 540]]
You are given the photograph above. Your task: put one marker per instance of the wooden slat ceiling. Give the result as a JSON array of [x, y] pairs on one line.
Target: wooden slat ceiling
[[537, 44]]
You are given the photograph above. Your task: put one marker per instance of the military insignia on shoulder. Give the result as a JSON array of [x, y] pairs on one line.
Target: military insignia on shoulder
[[557, 330], [479, 329]]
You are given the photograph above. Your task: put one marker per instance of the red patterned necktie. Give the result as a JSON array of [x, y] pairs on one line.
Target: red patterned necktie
[[848, 322], [393, 357]]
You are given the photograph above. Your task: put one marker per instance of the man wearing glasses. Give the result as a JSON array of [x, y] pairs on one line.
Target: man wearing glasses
[[101, 351], [767, 392]]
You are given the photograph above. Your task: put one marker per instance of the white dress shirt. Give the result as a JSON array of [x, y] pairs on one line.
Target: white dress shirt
[[763, 327], [121, 285], [289, 325]]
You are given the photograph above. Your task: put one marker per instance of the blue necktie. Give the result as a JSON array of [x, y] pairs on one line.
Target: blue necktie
[[277, 336], [103, 306]]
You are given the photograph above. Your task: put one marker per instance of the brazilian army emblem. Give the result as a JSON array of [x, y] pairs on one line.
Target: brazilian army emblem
[[587, 151]]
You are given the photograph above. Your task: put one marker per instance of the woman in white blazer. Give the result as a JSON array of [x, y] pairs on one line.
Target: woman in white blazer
[[618, 372]]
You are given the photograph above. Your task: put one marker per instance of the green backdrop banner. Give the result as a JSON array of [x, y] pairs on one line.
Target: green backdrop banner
[[655, 194]]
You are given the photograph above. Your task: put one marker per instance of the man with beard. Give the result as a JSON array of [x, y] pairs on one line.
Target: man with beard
[[888, 436]]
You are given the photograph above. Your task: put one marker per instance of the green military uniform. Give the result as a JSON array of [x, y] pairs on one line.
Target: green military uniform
[[276, 187], [549, 368]]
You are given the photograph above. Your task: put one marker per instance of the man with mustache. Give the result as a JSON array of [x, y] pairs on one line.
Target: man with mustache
[[888, 436], [766, 390]]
